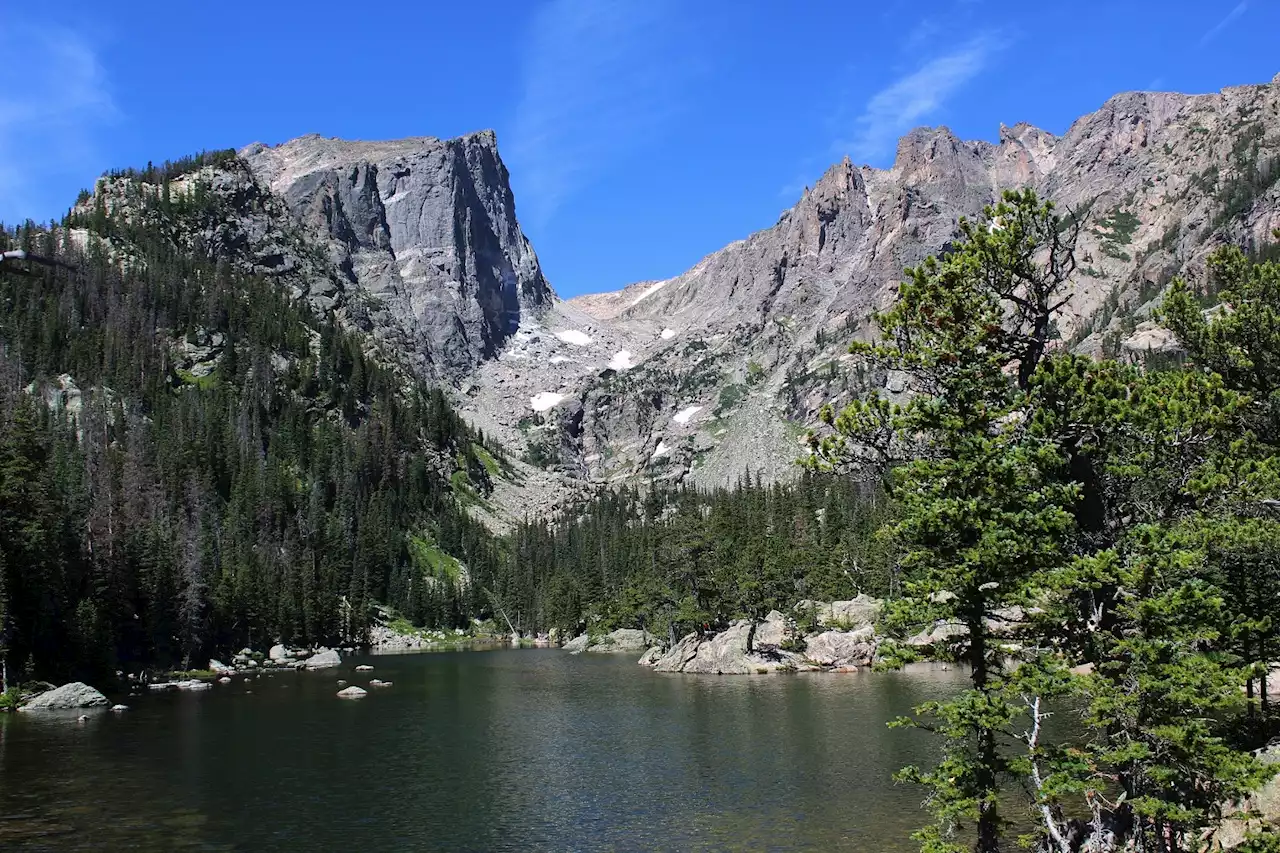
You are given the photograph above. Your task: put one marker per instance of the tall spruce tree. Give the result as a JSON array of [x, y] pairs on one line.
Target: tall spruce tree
[[983, 518]]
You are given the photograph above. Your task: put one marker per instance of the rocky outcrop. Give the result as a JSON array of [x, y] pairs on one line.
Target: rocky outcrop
[[77, 694], [425, 227], [726, 653], [620, 640], [756, 332], [842, 649], [1263, 805], [849, 615]]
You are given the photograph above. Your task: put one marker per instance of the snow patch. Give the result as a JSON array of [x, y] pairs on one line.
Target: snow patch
[[649, 291], [544, 400], [621, 360], [559, 359], [660, 450], [573, 336], [668, 334], [683, 416]]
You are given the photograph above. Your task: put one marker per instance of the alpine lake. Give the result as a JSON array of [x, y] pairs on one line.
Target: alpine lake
[[487, 750]]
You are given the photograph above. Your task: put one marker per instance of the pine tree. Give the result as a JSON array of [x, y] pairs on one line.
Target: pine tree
[[983, 517]]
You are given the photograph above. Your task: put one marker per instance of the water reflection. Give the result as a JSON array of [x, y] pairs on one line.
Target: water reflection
[[501, 750]]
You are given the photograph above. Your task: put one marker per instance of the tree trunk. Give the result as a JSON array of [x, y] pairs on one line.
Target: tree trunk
[[985, 782]]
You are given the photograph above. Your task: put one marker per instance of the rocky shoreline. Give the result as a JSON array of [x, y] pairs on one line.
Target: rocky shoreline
[[840, 637]]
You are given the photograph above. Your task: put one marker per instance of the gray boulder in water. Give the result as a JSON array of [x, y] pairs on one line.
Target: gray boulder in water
[[77, 694], [324, 659], [352, 692]]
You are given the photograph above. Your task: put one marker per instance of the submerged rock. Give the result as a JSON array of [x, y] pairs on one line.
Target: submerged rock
[[376, 683], [352, 692], [364, 667], [119, 708], [77, 694], [324, 659]]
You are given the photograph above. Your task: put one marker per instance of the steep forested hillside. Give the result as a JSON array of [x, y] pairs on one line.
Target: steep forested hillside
[[191, 460], [669, 561]]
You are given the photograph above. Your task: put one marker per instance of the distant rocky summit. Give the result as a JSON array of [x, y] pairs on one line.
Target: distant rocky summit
[[424, 227]]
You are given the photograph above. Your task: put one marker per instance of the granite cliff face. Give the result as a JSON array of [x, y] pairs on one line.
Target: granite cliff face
[[415, 240], [425, 227]]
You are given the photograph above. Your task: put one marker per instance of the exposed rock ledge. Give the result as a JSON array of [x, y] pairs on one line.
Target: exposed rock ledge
[[727, 653], [841, 637]]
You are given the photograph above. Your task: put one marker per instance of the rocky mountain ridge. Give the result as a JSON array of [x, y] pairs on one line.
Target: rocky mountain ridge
[[733, 358], [720, 370]]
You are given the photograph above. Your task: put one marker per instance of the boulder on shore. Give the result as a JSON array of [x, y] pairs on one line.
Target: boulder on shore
[[652, 656], [726, 653], [1260, 810], [278, 653], [220, 668], [578, 644], [324, 659], [77, 694], [842, 648], [856, 613], [621, 640], [352, 692]]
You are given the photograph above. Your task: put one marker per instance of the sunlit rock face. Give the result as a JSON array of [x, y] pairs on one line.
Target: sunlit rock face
[[424, 228]]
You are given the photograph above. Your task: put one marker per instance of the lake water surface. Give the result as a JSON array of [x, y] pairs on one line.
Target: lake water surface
[[501, 750]]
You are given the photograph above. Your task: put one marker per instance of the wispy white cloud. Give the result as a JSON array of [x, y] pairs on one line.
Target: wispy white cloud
[[913, 98], [1214, 31], [53, 96], [600, 80]]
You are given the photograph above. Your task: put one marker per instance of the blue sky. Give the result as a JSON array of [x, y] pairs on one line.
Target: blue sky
[[641, 134]]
